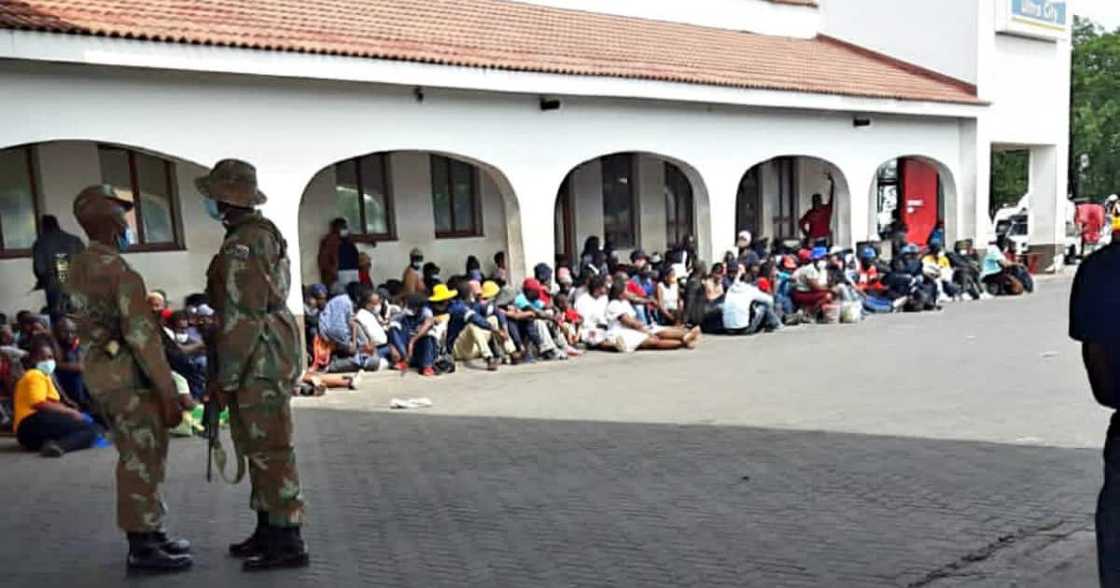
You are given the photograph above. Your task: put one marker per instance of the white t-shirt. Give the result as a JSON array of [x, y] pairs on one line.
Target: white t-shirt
[[616, 310], [593, 310], [670, 295], [372, 327]]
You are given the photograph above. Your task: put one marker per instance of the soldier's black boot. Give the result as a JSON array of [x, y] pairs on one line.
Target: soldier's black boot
[[172, 545], [284, 548], [146, 554], [254, 545]]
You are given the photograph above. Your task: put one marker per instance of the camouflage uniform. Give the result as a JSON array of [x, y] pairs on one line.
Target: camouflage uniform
[[256, 360], [124, 368]]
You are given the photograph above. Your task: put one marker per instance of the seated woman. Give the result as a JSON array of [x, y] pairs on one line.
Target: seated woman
[[670, 311], [811, 290], [627, 334], [42, 422]]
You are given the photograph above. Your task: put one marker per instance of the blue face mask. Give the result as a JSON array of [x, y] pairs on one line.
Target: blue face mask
[[126, 239], [47, 366], [212, 209]]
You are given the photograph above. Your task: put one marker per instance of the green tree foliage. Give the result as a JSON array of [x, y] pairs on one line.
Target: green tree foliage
[[1010, 174], [1095, 110]]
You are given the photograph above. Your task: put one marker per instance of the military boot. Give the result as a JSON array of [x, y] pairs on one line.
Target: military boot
[[172, 545], [284, 548], [254, 545], [146, 553]]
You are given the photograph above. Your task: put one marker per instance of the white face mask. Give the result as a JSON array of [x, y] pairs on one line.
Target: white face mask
[[344, 233], [46, 366], [182, 337]]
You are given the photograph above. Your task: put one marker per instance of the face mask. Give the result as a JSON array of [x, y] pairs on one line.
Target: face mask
[[212, 209], [182, 337], [417, 264], [344, 233], [126, 239], [47, 366]]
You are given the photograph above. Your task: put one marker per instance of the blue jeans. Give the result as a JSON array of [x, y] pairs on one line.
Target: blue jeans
[[423, 352]]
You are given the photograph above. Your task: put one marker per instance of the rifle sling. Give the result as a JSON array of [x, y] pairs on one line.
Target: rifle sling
[[219, 455]]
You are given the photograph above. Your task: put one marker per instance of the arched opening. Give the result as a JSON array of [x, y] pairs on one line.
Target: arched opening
[[630, 200], [446, 205], [774, 198], [175, 238], [914, 200]]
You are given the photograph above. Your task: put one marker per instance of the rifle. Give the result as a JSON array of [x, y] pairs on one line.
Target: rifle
[[211, 423]]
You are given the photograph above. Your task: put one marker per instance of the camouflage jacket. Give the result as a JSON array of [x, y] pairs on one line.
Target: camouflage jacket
[[256, 336], [121, 346]]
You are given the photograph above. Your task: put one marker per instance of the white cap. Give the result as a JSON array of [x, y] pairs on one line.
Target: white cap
[[1113, 197], [745, 236]]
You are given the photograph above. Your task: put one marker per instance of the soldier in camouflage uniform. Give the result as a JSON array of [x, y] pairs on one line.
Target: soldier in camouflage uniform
[[126, 372], [256, 361]]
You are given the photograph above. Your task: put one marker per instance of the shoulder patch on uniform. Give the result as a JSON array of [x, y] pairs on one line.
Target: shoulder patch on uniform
[[237, 250]]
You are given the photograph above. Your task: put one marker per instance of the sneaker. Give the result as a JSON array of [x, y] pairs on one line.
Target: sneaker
[[382, 364], [52, 449], [572, 351], [428, 372], [402, 366]]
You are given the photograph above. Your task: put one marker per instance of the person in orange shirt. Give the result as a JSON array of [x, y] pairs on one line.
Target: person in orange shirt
[[43, 422]]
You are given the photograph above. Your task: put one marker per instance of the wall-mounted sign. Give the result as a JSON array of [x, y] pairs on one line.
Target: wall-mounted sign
[[1040, 19]]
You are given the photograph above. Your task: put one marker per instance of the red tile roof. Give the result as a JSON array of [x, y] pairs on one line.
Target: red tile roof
[[499, 34]]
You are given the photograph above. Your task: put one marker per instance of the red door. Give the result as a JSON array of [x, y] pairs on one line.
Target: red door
[[919, 199]]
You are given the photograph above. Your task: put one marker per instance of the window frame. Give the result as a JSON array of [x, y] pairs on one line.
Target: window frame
[[178, 240], [632, 185], [476, 200], [361, 235], [675, 229], [33, 182]]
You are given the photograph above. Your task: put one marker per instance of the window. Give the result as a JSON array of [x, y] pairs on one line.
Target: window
[[787, 214], [678, 205], [146, 181], [364, 199], [18, 202], [887, 195], [748, 203], [618, 201], [455, 198]]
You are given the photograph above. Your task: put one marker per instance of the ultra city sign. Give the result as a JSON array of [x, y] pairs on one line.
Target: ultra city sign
[[1044, 19]]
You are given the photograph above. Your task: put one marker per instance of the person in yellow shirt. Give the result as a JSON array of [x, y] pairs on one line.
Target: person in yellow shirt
[[43, 422]]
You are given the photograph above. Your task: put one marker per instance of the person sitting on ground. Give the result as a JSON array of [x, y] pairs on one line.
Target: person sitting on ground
[[745, 253], [811, 290], [488, 307], [374, 350], [336, 323], [591, 306], [430, 274], [474, 269], [31, 326], [411, 337], [564, 282], [501, 274], [412, 280], [670, 310], [997, 273], [966, 269], [42, 421], [470, 335], [570, 323], [748, 310], [627, 334], [365, 266], [68, 366], [876, 298], [313, 303], [637, 293], [531, 318], [935, 257]]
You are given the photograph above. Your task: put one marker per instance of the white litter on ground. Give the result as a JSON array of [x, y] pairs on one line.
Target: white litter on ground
[[403, 403]]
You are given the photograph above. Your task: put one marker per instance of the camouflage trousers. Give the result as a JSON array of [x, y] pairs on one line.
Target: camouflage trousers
[[141, 441], [260, 417]]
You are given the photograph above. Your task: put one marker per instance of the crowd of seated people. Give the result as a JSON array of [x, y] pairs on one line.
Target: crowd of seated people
[[652, 301]]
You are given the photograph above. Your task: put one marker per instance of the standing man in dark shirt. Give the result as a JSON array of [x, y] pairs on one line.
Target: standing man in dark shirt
[[1093, 321], [816, 224], [51, 260], [338, 256]]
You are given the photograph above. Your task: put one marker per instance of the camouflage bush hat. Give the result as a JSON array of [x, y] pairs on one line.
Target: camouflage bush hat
[[234, 182], [98, 205]]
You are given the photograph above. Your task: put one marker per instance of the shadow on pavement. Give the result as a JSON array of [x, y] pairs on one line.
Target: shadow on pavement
[[407, 499]]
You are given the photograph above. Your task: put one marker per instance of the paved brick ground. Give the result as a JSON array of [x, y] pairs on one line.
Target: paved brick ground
[[574, 480]]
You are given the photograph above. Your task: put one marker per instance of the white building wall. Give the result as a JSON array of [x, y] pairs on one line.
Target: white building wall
[[756, 16], [941, 36], [410, 173]]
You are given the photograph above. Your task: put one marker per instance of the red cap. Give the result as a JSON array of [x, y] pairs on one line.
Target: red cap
[[531, 284], [788, 262], [805, 255]]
